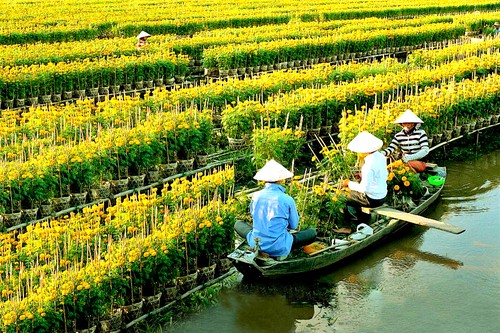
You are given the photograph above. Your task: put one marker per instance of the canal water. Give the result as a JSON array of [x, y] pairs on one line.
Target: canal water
[[421, 280]]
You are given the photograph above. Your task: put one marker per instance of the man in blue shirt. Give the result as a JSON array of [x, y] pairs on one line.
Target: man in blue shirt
[[273, 213]]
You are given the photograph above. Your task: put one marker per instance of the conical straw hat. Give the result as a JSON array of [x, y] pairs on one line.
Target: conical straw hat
[[408, 117], [143, 34], [272, 172], [365, 142]]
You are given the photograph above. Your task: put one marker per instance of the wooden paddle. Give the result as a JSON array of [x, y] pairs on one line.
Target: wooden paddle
[[417, 219]]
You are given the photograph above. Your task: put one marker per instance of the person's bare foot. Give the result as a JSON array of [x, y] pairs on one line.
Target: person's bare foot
[[343, 230]]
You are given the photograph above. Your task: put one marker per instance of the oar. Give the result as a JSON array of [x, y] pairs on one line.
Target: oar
[[417, 219]]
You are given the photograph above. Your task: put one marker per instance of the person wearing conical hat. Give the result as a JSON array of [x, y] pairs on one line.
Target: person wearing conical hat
[[411, 140], [496, 30], [273, 213], [142, 37], [371, 191]]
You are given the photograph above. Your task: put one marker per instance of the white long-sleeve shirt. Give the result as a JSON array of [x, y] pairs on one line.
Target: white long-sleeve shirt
[[373, 177]]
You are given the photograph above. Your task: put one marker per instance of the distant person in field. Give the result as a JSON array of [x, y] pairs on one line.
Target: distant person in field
[[411, 140], [142, 39], [496, 30]]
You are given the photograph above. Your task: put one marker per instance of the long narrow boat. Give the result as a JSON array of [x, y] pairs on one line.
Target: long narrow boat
[[254, 264]]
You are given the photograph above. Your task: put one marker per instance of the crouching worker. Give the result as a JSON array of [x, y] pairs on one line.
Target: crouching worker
[[372, 189], [273, 213], [412, 140]]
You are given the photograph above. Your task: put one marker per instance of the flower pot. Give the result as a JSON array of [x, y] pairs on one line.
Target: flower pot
[[47, 99], [186, 282], [202, 160], [33, 101], [438, 137], [264, 68], [186, 165], [94, 91], [9, 103], [457, 130], [104, 90], [127, 87], [169, 169], [137, 181], [206, 274], [20, 102], [139, 85], [179, 79], [256, 69], [78, 199], [495, 118], [11, 219], [149, 84], [46, 209], [241, 71], [100, 192], [447, 134], [223, 266], [68, 95], [112, 323], [132, 311], [56, 98], [169, 293], [236, 144], [223, 72], [171, 81], [313, 133], [119, 185], [152, 302], [465, 128], [61, 203], [232, 72], [115, 89], [81, 93], [159, 82], [30, 214], [153, 176], [325, 130]]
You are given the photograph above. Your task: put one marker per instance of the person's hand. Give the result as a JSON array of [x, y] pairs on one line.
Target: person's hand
[[404, 158], [345, 183]]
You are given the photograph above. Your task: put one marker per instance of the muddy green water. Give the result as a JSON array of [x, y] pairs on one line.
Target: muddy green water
[[421, 280]]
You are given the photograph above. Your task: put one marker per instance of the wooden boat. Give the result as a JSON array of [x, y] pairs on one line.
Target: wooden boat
[[255, 264]]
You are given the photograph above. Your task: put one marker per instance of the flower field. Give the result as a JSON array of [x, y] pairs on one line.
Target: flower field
[[120, 134]]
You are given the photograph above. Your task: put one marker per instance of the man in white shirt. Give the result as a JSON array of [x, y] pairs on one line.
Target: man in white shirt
[[371, 191]]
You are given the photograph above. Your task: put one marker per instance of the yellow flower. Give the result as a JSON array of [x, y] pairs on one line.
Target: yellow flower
[[396, 187], [407, 183]]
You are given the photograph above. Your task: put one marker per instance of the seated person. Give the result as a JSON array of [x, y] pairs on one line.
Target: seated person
[[372, 190], [273, 213], [412, 140]]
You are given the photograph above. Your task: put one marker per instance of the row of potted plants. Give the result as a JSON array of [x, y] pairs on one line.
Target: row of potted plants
[[114, 257], [268, 53], [323, 106], [92, 23], [22, 82], [113, 155]]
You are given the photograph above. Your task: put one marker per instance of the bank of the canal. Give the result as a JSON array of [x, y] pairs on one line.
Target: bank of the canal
[[423, 280]]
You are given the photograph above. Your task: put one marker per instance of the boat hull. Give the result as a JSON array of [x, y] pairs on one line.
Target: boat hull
[[252, 266]]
